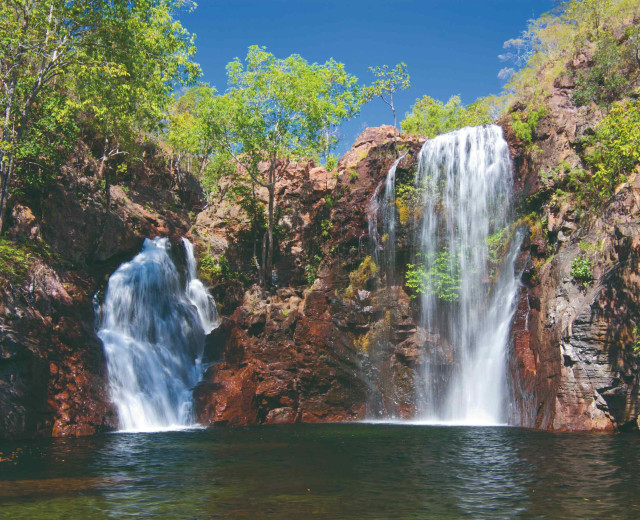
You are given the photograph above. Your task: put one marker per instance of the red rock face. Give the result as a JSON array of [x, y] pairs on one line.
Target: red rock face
[[56, 385], [293, 368], [304, 350], [294, 353], [573, 366]]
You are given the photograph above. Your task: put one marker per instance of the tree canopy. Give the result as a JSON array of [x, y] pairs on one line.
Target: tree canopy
[[431, 117], [114, 60], [276, 111]]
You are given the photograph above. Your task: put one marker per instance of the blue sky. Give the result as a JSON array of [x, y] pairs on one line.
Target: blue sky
[[450, 46]]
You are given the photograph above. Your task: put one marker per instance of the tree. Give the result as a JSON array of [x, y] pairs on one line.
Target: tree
[[431, 117], [118, 60], [125, 77], [187, 131], [38, 40], [387, 83], [276, 111], [193, 146]]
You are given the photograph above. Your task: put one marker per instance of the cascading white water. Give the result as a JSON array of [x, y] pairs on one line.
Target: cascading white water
[[198, 293], [466, 182], [153, 328], [385, 208]]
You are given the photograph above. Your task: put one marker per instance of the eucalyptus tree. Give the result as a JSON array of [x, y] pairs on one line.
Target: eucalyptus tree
[[38, 40], [138, 55], [276, 111], [113, 59], [388, 82]]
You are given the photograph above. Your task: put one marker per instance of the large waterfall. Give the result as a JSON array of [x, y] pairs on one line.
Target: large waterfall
[[153, 324], [465, 255]]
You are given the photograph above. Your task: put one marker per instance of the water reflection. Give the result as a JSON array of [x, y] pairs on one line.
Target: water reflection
[[324, 471]]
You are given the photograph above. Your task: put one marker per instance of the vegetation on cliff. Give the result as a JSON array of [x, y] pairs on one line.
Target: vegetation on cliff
[[67, 68], [431, 117], [276, 111]]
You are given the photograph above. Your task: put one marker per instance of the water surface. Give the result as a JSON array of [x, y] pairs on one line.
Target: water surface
[[347, 471]]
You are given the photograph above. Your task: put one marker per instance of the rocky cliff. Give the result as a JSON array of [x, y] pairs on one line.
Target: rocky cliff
[[61, 246], [574, 364], [297, 351], [333, 337]]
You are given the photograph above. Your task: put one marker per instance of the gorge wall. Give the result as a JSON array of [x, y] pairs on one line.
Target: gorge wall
[[322, 343], [574, 361]]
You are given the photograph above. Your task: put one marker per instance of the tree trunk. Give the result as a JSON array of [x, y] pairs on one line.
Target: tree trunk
[[263, 281], [268, 268], [395, 127], [6, 175], [103, 161]]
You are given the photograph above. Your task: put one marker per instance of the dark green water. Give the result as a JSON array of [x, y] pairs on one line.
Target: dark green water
[[350, 471]]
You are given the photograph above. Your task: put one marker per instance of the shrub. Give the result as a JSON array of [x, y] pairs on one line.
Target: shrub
[[581, 270], [331, 162], [311, 269], [439, 275], [359, 277], [524, 125], [603, 81], [617, 148], [213, 270]]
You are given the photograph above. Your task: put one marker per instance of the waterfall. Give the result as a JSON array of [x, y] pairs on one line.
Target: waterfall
[[465, 252], [384, 255], [153, 324]]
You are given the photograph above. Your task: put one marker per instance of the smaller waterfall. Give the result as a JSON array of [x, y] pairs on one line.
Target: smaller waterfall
[[385, 208], [153, 326], [382, 205], [198, 293]]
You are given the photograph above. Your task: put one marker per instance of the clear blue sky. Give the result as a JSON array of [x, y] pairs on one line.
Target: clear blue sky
[[450, 46]]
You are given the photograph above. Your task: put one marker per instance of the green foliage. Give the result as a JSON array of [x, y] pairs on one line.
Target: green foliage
[[328, 201], [581, 270], [604, 81], [537, 227], [47, 141], [636, 344], [592, 247], [311, 269], [218, 169], [408, 201], [388, 81], [543, 52], [431, 117], [16, 258], [188, 135], [437, 275], [497, 243], [358, 278], [325, 227], [331, 162], [217, 270], [278, 108], [524, 125], [276, 111], [353, 176], [112, 66], [138, 54], [616, 151]]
